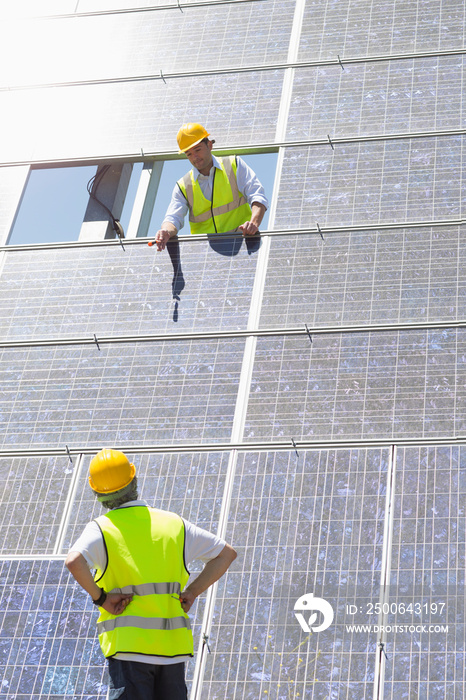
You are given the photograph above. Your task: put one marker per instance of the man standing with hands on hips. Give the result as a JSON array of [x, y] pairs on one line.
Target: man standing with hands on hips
[[221, 194], [141, 555]]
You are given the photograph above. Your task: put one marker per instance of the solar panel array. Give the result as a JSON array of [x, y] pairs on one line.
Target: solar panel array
[[303, 395]]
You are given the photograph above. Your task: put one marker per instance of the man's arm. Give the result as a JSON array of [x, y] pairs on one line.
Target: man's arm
[[174, 219], [163, 235], [77, 566], [212, 571], [249, 228]]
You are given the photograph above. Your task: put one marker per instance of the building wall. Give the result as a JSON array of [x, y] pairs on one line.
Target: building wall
[[304, 397]]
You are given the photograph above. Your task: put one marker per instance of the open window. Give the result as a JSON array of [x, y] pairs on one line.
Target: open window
[[82, 202]]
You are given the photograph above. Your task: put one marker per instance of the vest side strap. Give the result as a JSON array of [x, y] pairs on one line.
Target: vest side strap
[[188, 185], [230, 173]]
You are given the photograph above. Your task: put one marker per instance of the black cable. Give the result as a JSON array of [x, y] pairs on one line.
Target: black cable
[[92, 186]]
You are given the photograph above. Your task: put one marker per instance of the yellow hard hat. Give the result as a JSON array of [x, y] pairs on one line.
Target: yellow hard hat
[[110, 471], [190, 135]]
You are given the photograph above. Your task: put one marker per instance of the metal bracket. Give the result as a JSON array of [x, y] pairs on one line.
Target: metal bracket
[[382, 647], [205, 639]]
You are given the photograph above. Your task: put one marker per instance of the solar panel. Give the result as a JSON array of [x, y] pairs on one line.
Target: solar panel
[[110, 292], [426, 587], [33, 494], [141, 393], [370, 183], [354, 278], [357, 385], [306, 524]]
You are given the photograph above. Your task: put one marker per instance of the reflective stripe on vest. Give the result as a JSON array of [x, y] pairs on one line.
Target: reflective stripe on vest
[[228, 208], [143, 623], [171, 588], [145, 550]]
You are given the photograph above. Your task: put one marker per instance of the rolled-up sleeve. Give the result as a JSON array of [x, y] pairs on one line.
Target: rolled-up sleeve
[[249, 184], [177, 209], [201, 544], [91, 545]]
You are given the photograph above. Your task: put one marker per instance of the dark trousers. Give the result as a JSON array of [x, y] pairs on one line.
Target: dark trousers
[[131, 680]]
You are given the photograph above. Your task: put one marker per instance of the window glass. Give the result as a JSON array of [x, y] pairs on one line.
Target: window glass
[[53, 205]]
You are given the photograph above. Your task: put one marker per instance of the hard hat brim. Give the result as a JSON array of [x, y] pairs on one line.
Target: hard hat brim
[[193, 144]]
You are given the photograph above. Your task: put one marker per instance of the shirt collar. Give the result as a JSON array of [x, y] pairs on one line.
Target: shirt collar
[[196, 172], [128, 504]]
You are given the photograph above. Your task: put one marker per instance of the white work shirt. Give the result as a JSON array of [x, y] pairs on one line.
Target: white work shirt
[[199, 544], [246, 178]]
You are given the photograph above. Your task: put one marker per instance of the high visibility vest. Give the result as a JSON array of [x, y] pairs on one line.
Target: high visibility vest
[[228, 208], [145, 552]]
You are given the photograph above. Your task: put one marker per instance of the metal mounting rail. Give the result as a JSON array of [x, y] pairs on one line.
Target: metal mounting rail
[[218, 335], [259, 68], [291, 445], [132, 10], [242, 149], [385, 570], [319, 230], [33, 557]]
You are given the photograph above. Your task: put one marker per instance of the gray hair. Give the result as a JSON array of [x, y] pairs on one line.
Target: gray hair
[[118, 498]]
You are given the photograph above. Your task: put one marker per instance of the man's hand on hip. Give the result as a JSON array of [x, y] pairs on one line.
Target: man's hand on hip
[[187, 599], [116, 603]]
